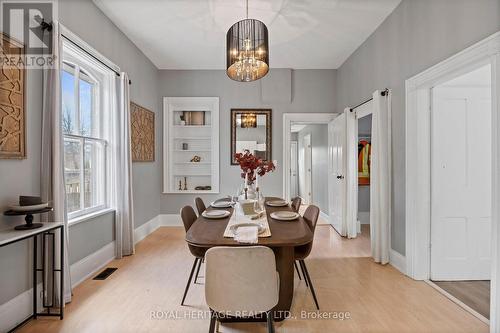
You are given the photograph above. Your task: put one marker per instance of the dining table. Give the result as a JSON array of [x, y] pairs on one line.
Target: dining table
[[285, 236]]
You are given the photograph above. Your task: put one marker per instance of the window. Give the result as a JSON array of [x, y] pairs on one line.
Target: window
[[85, 144]]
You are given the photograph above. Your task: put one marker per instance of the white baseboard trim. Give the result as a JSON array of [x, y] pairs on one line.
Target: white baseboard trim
[[325, 218], [398, 261], [145, 229], [18, 309], [88, 266], [364, 217]]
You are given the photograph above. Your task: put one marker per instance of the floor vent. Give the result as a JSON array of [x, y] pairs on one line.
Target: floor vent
[[105, 273]]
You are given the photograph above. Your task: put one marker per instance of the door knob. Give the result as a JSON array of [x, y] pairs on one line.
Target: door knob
[[340, 177]]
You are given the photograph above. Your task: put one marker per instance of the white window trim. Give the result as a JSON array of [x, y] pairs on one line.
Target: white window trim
[[74, 43]]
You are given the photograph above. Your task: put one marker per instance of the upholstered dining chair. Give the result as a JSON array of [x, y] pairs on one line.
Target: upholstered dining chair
[[188, 218], [296, 204], [302, 252], [241, 280], [200, 205]]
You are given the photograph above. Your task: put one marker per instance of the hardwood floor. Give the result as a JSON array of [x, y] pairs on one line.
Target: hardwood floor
[[475, 294], [378, 298]]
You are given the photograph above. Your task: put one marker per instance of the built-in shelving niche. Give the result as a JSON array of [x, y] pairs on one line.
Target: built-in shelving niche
[[190, 128]]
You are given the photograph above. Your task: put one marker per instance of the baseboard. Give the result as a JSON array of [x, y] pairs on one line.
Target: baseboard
[[88, 266], [325, 218], [145, 229], [364, 217], [18, 309], [398, 261]]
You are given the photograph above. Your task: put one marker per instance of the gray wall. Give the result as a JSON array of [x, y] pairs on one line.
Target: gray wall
[[417, 35], [319, 145], [311, 91], [21, 177]]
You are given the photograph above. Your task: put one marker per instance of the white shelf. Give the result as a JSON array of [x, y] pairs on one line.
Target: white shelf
[[203, 140]]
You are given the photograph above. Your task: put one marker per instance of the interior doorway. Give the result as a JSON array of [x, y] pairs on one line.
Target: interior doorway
[[305, 167], [364, 147], [461, 191]]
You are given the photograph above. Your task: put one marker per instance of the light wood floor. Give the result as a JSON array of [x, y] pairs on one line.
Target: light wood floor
[[378, 298], [475, 294]]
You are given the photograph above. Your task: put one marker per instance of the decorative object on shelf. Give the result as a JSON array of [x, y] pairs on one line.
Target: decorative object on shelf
[[252, 168], [247, 50], [183, 121], [194, 118], [185, 184], [142, 133], [12, 98], [28, 205], [185, 146], [203, 188], [180, 185], [196, 159], [251, 129]]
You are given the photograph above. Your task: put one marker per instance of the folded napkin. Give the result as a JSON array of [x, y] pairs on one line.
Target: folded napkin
[[247, 235]]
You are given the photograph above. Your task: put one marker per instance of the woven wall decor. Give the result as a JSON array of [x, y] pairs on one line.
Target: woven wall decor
[[143, 133], [12, 90]]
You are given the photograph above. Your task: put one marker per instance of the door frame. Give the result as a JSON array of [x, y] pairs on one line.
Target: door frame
[[308, 173], [296, 151], [288, 119], [418, 148]]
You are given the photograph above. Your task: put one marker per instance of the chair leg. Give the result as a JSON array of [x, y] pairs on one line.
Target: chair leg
[[198, 270], [297, 269], [270, 322], [213, 320], [304, 273], [189, 280], [310, 283]]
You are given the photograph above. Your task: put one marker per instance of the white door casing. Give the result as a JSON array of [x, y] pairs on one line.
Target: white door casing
[[336, 178], [307, 169], [461, 183], [294, 160]]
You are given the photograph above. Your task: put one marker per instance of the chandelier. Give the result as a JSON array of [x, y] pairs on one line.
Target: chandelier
[[248, 120], [247, 47]]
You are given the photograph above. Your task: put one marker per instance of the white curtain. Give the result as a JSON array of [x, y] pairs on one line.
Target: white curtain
[[52, 163], [380, 177], [121, 182], [351, 177]]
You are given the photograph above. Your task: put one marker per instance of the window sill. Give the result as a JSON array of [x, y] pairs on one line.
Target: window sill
[[90, 216]]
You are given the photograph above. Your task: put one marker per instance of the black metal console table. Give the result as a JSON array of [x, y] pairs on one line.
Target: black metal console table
[[47, 232]]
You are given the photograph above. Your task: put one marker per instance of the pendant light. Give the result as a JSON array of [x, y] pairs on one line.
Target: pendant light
[[247, 50]]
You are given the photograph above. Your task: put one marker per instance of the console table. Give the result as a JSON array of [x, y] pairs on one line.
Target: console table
[[46, 233]]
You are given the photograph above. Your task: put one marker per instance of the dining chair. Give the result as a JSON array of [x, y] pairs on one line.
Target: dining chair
[[188, 218], [296, 204], [302, 252], [200, 205], [241, 280]]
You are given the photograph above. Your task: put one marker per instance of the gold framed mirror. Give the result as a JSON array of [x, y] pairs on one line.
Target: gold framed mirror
[[251, 129]]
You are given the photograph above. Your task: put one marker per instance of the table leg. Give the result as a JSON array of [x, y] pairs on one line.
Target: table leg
[[61, 274], [35, 265], [284, 265]]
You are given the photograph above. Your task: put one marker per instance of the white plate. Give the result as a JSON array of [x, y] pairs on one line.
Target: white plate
[[277, 203], [215, 214], [17, 208], [285, 215], [260, 227], [221, 204]]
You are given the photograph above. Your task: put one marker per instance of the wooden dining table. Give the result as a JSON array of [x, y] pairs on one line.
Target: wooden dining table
[[285, 236]]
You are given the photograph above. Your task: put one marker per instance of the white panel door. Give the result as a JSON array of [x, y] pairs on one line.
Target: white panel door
[[461, 183], [293, 169], [336, 183]]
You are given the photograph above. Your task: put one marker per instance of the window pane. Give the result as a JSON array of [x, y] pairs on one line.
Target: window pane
[[86, 119], [72, 172], [69, 122], [94, 174]]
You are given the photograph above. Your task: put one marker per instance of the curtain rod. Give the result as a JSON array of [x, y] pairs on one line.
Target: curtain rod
[[48, 26], [383, 93]]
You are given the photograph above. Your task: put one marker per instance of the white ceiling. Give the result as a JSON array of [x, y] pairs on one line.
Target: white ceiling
[[190, 34]]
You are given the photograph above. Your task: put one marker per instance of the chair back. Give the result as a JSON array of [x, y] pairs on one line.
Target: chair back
[[188, 217], [241, 279], [296, 204], [311, 216], [200, 205]]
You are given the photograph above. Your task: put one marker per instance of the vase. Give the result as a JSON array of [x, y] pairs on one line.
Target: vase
[[251, 193]]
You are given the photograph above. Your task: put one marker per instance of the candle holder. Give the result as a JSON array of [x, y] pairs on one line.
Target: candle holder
[[29, 217]]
